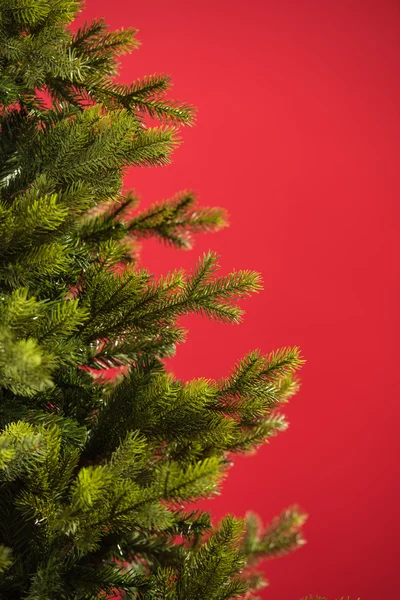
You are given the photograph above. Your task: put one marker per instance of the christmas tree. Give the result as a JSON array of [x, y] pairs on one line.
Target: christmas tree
[[102, 451]]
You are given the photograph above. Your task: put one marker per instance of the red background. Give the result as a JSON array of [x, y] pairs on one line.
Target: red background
[[297, 137]]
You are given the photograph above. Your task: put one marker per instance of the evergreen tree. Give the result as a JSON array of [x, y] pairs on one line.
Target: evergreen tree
[[97, 472]]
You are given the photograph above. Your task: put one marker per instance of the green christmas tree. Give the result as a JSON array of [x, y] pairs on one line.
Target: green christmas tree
[[98, 473]]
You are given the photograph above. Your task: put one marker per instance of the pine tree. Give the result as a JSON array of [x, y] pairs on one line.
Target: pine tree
[[97, 472]]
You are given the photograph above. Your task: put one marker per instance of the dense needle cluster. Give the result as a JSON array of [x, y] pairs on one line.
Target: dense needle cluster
[[96, 473]]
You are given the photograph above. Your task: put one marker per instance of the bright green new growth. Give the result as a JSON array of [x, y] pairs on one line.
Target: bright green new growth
[[95, 473]]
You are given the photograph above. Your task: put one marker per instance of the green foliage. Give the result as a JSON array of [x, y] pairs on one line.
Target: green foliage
[[173, 221], [96, 472], [278, 538], [5, 558]]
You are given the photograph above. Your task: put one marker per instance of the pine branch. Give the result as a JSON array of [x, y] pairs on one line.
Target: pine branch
[[94, 471], [173, 221], [25, 367], [6, 558], [282, 536], [153, 147], [94, 38], [150, 86], [210, 572]]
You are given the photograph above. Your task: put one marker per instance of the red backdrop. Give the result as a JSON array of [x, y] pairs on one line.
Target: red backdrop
[[297, 137]]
